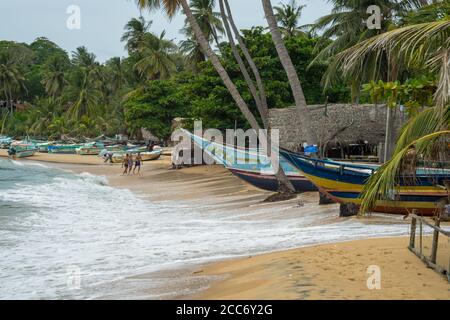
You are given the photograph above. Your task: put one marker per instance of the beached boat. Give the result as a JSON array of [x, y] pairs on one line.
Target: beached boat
[[146, 156], [64, 148], [91, 148], [252, 167], [5, 142], [344, 183], [43, 146], [22, 150]]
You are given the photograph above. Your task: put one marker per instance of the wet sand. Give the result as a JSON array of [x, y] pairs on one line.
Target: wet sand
[[332, 271]]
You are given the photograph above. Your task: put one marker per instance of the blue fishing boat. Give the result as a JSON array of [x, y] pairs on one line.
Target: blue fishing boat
[[252, 166], [344, 183]]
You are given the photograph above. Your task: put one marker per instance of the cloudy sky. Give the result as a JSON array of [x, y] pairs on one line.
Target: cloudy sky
[[102, 21]]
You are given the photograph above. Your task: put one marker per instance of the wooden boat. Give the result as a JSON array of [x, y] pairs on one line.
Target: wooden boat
[[344, 183], [64, 149], [43, 146], [92, 148], [5, 142], [22, 150], [146, 156], [253, 167]]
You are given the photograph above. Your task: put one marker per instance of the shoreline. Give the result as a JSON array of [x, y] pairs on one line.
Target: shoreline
[[280, 274]]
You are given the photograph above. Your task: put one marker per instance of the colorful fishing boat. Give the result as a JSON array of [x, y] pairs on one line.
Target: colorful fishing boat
[[63, 148], [91, 148], [251, 166], [22, 150], [344, 183]]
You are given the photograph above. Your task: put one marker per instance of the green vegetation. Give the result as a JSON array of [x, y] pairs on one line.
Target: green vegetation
[[75, 95]]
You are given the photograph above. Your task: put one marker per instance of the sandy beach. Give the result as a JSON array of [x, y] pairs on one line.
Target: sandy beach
[[326, 271]]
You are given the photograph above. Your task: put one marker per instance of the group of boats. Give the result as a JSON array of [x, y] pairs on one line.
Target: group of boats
[[342, 182], [28, 147]]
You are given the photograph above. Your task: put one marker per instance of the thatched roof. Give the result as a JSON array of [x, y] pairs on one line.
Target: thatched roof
[[348, 122]]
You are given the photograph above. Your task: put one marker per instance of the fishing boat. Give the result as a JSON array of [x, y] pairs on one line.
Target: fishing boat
[[43, 146], [91, 148], [5, 142], [251, 166], [146, 156], [22, 150], [64, 148], [344, 183]]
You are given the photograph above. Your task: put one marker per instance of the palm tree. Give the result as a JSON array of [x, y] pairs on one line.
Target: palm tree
[[288, 16], [117, 73], [293, 78], [425, 45], [135, 30], [208, 20], [54, 79], [11, 79], [171, 6], [83, 58], [192, 51], [263, 109], [155, 57]]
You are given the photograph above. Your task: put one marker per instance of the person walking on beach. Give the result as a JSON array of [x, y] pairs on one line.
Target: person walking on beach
[[130, 164], [109, 157], [125, 164], [137, 164]]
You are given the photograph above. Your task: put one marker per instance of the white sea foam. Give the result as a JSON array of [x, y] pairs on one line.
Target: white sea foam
[[108, 233]]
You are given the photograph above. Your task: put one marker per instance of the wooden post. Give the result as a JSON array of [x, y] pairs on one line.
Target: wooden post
[[420, 236], [412, 240], [435, 241]]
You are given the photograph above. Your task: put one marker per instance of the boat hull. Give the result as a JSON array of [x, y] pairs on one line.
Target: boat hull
[[89, 152], [270, 182], [345, 186]]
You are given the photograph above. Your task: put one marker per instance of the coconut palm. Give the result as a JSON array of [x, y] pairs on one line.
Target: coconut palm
[[117, 73], [54, 79], [83, 58], [171, 6], [155, 60], [424, 45], [11, 79], [208, 20], [135, 30], [288, 16], [192, 51], [293, 78]]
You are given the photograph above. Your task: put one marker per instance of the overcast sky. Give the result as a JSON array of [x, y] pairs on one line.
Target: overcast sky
[[102, 21]]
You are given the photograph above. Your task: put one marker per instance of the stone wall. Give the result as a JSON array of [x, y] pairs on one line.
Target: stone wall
[[357, 122]]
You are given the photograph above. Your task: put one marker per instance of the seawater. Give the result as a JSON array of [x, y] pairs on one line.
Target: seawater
[[66, 235]]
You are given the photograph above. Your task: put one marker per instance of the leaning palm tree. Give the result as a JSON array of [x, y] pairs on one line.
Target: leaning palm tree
[[171, 7], [427, 46], [294, 81], [288, 16], [208, 20]]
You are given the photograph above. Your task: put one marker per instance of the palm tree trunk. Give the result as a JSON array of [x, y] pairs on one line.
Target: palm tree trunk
[[251, 63], [285, 184], [218, 66], [242, 67], [288, 66]]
